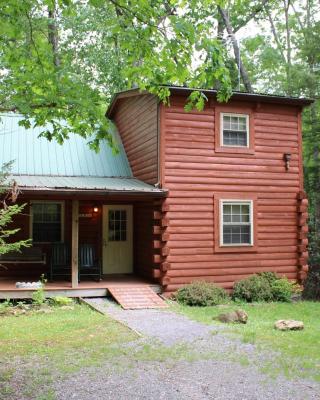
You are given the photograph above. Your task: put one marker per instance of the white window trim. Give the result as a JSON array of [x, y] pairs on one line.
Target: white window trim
[[62, 217], [237, 202], [222, 114]]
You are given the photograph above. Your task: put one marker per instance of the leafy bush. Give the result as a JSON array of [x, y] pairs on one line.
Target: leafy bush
[[271, 277], [282, 290], [202, 294], [254, 288], [61, 301], [266, 286], [311, 290]]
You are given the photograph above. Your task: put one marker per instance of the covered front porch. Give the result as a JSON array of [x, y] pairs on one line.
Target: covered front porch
[[119, 227]]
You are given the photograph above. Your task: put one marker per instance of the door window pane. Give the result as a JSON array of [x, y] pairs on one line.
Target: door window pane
[[117, 225]]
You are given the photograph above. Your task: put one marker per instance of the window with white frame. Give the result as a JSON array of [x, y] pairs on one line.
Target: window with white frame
[[234, 130], [46, 222], [236, 223]]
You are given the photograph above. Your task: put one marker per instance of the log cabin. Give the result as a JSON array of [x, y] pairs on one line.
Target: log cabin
[[211, 195]]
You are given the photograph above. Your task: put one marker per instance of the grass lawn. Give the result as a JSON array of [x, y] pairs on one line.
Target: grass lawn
[[41, 348], [53, 334], [41, 345], [298, 351]]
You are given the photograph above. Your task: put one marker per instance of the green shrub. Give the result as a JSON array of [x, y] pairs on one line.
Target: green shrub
[[202, 294], [252, 289], [282, 290], [4, 306], [269, 276], [38, 297], [61, 301], [266, 286]]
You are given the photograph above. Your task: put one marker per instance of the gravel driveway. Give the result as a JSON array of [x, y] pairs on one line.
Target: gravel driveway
[[184, 380], [166, 326], [212, 369]]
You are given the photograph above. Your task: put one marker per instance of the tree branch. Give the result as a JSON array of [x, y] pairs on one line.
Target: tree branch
[[33, 106], [275, 36], [242, 69], [128, 11], [298, 18], [255, 11], [33, 42]]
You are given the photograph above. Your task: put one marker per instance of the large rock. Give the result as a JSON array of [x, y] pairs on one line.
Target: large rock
[[288, 325], [237, 316]]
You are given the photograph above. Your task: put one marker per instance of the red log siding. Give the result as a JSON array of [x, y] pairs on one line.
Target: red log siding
[[90, 228], [194, 174], [142, 239], [137, 121]]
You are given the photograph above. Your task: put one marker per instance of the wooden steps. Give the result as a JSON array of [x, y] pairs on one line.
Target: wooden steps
[[136, 297]]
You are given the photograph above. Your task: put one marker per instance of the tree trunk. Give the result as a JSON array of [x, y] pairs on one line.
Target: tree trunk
[[286, 5], [236, 50], [53, 35], [276, 37], [220, 27]]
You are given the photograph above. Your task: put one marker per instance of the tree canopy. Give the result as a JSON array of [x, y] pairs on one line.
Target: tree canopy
[[60, 60]]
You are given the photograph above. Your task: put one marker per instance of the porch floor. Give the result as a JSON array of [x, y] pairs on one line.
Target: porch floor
[[86, 288]]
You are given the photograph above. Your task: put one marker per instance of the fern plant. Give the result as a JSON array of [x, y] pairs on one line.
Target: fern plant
[[8, 209]]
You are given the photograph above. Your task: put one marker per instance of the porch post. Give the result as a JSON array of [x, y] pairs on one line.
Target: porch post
[[75, 243]]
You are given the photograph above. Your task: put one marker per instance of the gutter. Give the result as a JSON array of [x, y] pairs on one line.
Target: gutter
[[90, 192]]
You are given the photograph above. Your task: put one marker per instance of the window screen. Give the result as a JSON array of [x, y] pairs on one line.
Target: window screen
[[236, 223], [117, 225], [235, 130], [46, 222]]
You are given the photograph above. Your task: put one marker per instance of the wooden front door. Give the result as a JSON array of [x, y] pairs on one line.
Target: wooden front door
[[117, 239]]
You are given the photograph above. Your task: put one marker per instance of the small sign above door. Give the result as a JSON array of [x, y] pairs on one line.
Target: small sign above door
[[88, 215]]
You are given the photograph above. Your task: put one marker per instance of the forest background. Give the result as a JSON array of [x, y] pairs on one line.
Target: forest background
[[61, 61]]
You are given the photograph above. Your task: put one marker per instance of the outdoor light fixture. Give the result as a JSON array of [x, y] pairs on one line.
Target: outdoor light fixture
[[287, 158], [95, 209]]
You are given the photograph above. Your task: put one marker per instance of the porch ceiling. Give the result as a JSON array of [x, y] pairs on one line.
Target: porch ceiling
[[84, 184]]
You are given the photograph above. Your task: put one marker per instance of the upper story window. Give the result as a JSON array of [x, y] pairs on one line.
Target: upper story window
[[47, 222], [236, 223], [234, 130]]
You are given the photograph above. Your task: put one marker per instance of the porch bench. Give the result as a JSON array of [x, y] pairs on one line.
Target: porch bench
[[28, 255]]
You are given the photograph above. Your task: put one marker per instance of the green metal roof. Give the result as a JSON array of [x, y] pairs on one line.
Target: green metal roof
[[83, 184], [34, 155], [41, 165]]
